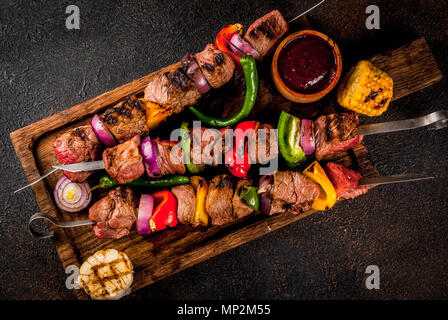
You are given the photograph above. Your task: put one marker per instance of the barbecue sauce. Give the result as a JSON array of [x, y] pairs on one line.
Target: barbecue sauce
[[307, 64]]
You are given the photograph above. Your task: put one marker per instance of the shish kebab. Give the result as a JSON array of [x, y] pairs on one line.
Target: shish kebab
[[199, 203], [80, 144]]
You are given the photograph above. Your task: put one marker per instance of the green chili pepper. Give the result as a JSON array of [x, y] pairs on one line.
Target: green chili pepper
[[185, 142], [250, 196], [251, 76], [106, 182], [289, 140]]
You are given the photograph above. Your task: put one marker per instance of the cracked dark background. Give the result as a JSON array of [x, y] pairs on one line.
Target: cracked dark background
[[403, 229]]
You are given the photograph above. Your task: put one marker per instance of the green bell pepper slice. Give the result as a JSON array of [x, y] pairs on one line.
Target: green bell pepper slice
[[250, 196], [289, 140], [185, 142]]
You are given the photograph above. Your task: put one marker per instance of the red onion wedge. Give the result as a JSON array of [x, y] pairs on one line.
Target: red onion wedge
[[72, 196], [193, 71], [306, 137], [265, 196], [149, 152], [200, 82], [243, 45], [103, 134], [145, 210]]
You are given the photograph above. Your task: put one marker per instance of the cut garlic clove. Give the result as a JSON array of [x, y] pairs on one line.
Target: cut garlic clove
[[106, 275]]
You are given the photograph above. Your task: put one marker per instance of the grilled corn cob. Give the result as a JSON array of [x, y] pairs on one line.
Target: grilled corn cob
[[366, 89], [106, 275]]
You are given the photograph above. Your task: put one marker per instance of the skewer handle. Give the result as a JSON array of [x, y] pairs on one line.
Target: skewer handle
[[61, 224], [435, 120]]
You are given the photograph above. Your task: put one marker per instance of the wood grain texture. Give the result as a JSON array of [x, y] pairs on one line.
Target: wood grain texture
[[157, 256], [412, 67]]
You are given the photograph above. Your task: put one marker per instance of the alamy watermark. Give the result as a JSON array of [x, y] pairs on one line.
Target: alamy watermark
[[209, 144], [373, 20], [373, 280], [73, 20]]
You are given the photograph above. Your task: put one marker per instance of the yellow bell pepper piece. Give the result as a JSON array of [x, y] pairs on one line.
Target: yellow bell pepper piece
[[201, 187], [156, 113], [327, 197]]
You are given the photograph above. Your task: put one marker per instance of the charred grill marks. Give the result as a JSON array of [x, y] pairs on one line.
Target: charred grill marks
[[219, 59], [209, 67], [179, 79]]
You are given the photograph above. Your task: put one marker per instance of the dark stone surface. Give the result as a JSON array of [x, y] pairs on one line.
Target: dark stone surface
[[401, 228]]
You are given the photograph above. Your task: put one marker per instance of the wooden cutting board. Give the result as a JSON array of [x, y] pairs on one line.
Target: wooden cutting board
[[157, 256]]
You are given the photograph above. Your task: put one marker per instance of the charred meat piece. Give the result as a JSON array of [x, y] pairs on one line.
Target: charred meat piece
[[345, 181], [77, 145], [126, 119], [335, 133], [170, 157], [114, 214], [216, 66], [240, 208], [186, 203], [264, 34], [267, 146], [292, 192], [172, 87], [207, 146], [191, 68], [219, 200], [124, 162]]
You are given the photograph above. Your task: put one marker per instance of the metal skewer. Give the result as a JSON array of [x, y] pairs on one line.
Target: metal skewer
[[375, 181], [61, 224], [303, 13], [75, 167], [73, 224], [36, 181], [435, 120]]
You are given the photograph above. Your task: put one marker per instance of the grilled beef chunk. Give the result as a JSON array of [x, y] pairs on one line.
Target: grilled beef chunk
[[345, 181], [170, 157], [114, 214], [77, 145], [124, 162], [172, 87], [216, 66], [264, 34], [126, 119], [264, 139], [292, 192], [207, 146], [335, 133], [219, 200], [240, 208], [186, 203]]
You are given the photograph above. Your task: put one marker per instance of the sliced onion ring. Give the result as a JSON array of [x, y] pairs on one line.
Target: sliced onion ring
[[243, 45], [195, 73], [306, 137], [201, 83], [102, 133], [265, 197], [148, 148], [71, 196], [145, 210]]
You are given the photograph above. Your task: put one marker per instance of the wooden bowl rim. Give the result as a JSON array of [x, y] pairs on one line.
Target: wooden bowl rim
[[336, 52]]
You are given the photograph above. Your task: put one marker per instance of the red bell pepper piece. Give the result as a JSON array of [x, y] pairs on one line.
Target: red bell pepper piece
[[165, 212], [237, 160], [222, 44]]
